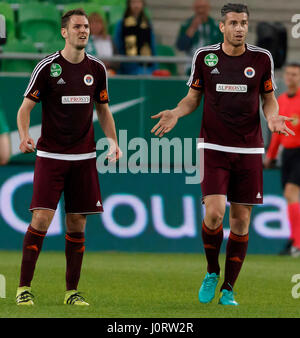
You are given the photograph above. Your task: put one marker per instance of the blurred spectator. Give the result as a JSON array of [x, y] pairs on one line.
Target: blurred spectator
[[4, 139], [199, 30], [134, 36], [100, 43]]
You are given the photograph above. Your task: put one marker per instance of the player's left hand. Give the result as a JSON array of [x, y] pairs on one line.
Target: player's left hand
[[114, 153], [277, 124]]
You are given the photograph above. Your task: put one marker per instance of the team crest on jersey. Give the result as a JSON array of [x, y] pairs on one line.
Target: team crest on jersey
[[249, 72], [88, 79], [55, 70], [211, 60]]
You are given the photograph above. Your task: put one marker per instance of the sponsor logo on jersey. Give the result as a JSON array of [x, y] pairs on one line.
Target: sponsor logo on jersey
[[249, 72], [103, 95], [215, 71], [231, 88], [75, 99], [258, 195], [55, 70], [36, 94], [98, 204], [61, 81], [88, 79], [211, 60], [268, 85]]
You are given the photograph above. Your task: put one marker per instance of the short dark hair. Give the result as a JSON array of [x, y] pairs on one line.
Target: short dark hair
[[236, 8], [66, 17], [292, 64]]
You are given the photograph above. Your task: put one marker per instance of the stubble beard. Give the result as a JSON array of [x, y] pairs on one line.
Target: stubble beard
[[80, 47]]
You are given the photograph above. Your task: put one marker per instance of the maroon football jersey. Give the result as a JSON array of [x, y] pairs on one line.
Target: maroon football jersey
[[232, 86], [67, 92]]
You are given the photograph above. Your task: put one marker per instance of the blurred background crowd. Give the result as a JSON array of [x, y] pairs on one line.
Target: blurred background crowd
[[140, 28]]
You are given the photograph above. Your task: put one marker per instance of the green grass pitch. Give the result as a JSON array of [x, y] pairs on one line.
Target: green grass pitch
[[132, 285]]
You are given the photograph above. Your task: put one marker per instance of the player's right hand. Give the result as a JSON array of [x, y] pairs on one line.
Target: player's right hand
[[166, 123], [268, 163], [27, 145]]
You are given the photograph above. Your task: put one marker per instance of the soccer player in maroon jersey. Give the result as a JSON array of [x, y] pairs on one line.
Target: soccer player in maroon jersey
[[289, 105], [232, 76], [68, 83]]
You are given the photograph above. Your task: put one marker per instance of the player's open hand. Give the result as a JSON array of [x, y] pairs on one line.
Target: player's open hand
[[114, 153], [27, 145], [167, 121], [277, 124]]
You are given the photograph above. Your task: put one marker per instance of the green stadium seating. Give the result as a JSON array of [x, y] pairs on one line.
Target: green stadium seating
[[165, 50], [88, 8], [7, 11], [60, 2], [15, 1], [39, 22], [114, 14], [53, 46], [23, 66], [110, 2]]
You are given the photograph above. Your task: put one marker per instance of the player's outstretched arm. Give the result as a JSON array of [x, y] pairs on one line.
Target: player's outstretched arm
[[23, 120], [169, 118], [276, 123], [107, 124]]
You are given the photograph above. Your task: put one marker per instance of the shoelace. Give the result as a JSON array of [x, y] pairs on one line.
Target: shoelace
[[25, 296], [230, 294], [209, 282], [73, 298]]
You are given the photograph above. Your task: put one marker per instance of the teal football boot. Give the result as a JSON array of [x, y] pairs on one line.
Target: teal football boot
[[227, 298], [208, 287]]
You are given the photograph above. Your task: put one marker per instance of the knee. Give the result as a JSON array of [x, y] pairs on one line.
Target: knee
[[214, 218], [240, 224], [41, 220], [241, 221], [75, 223]]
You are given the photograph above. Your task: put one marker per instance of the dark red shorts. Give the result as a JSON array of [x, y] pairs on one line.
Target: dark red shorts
[[238, 176], [77, 179]]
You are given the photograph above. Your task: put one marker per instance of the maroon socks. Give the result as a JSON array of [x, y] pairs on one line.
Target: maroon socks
[[32, 246], [235, 254], [74, 255], [212, 240]]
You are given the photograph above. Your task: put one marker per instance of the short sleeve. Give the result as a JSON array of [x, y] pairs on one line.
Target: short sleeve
[[268, 84], [38, 83], [101, 92], [196, 80]]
